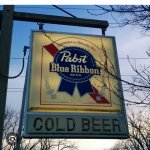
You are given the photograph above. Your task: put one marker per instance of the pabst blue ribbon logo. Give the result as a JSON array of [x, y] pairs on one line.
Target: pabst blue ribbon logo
[[76, 66]]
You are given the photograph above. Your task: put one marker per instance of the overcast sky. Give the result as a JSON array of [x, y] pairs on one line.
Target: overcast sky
[[128, 39]]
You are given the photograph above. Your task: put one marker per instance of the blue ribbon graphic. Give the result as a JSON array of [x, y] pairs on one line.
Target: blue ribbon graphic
[[75, 66], [83, 87]]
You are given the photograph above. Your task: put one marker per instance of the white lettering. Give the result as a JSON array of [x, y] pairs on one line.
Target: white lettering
[[81, 69], [66, 56]]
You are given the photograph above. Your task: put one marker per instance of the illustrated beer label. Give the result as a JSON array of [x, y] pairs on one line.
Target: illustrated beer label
[[76, 66], [70, 73]]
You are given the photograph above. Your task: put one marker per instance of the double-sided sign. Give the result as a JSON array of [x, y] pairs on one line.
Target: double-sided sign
[[73, 89]]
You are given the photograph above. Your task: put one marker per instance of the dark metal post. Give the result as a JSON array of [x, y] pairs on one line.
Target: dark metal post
[[19, 134], [103, 31], [40, 25], [5, 47]]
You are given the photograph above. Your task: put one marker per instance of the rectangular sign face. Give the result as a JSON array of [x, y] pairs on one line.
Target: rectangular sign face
[[83, 126], [74, 75]]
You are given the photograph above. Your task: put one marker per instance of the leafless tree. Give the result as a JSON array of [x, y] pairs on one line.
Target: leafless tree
[[139, 124], [139, 127], [51, 144], [11, 127], [139, 16], [142, 77]]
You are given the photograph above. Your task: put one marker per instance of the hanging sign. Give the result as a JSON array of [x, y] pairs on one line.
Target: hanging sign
[[72, 89]]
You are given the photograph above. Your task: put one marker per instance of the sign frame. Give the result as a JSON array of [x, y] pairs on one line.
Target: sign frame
[[105, 120]]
